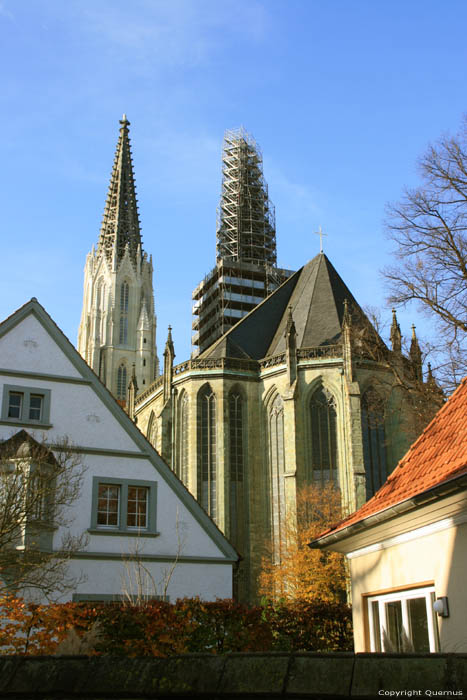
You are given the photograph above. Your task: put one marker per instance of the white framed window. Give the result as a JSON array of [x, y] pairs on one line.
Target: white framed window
[[123, 506], [25, 405], [403, 621], [137, 509], [108, 505], [15, 404]]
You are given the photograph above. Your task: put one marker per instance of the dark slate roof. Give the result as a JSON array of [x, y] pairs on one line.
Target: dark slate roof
[[317, 307], [316, 294]]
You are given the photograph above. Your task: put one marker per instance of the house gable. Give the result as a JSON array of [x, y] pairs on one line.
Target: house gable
[[67, 366]]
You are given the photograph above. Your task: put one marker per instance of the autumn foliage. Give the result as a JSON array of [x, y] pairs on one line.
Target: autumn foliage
[[298, 573], [163, 629]]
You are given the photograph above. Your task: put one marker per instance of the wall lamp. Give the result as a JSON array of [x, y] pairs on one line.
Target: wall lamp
[[441, 606]]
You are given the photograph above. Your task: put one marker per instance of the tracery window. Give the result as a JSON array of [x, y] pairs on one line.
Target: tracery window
[[121, 382], [374, 441], [182, 452], [124, 297], [277, 469], [207, 450], [322, 458], [236, 465]]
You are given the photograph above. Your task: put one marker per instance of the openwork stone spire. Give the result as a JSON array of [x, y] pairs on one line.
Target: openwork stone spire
[[120, 224]]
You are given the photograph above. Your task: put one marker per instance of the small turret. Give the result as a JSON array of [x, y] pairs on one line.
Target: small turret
[[291, 348], [347, 341], [169, 356], [396, 336], [131, 394], [416, 356]]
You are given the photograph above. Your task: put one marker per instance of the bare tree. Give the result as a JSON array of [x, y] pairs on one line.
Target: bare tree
[[138, 582], [429, 227], [38, 484]]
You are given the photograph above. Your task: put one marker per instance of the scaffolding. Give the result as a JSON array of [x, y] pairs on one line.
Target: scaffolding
[[245, 272], [246, 225]]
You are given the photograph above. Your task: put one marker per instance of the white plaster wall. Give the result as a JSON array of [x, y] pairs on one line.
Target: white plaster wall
[[171, 514], [208, 581], [45, 356]]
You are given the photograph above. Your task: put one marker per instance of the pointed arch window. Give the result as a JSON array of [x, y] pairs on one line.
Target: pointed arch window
[[322, 458], [100, 294], [182, 452], [207, 451], [124, 299], [236, 465], [121, 382], [374, 441], [277, 469]]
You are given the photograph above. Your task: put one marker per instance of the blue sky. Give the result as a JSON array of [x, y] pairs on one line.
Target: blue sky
[[342, 96]]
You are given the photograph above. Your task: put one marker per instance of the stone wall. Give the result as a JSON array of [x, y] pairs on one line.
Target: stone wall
[[246, 676]]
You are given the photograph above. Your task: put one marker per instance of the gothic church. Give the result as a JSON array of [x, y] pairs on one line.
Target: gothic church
[[301, 389]]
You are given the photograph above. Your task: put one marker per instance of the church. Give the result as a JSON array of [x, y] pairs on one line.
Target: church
[[289, 383]]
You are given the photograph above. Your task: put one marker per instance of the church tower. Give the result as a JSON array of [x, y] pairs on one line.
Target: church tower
[[117, 333], [246, 269]]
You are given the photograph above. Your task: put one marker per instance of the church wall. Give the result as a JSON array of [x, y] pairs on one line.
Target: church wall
[[260, 393]]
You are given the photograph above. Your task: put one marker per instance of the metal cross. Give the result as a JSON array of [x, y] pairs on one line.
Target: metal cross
[[320, 234]]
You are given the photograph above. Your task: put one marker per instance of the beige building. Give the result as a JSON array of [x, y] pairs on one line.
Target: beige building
[[300, 390], [407, 546]]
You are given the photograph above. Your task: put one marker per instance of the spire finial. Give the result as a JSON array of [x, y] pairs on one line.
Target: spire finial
[[320, 234], [124, 121]]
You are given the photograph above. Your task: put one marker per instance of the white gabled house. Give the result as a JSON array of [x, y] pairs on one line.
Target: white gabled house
[[134, 511]]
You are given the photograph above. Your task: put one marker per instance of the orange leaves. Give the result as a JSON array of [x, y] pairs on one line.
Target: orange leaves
[[162, 629], [302, 573]]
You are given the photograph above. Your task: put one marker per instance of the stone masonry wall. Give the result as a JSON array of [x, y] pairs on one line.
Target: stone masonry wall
[[242, 676]]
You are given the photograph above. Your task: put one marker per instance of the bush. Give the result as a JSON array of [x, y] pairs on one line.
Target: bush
[[163, 629]]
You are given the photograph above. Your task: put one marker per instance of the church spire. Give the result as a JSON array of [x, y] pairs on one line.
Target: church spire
[[120, 224]]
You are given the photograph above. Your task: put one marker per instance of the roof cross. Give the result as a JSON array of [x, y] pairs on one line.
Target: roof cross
[[320, 234]]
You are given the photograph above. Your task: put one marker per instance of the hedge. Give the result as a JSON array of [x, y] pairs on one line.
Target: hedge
[[162, 629]]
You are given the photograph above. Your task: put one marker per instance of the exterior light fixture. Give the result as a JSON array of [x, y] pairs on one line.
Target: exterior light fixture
[[441, 606]]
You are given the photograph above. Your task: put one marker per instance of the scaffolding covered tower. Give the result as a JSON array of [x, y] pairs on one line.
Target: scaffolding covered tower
[[246, 225], [246, 269]]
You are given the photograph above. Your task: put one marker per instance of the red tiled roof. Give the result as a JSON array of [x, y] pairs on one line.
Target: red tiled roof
[[438, 455]]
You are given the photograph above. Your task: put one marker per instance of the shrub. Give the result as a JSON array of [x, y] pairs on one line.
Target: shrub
[[163, 629]]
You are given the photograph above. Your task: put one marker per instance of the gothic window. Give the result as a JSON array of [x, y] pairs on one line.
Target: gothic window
[[277, 469], [207, 450], [236, 463], [182, 461], [124, 296], [374, 441], [322, 458], [121, 382]]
